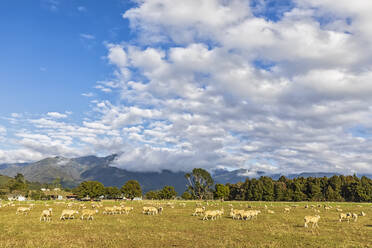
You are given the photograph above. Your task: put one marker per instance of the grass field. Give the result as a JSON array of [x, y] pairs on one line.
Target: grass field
[[177, 228]]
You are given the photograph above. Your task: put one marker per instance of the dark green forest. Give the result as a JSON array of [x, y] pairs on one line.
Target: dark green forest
[[336, 188]]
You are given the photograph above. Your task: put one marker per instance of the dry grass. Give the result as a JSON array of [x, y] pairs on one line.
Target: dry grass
[[177, 228]]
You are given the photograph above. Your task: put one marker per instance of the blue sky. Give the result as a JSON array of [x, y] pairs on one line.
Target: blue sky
[[265, 85], [46, 64]]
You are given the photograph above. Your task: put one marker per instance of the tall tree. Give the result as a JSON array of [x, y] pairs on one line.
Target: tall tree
[[221, 191], [131, 189], [168, 192], [112, 192], [200, 182], [93, 189]]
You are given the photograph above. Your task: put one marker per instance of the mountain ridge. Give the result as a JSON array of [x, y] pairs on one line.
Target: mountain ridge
[[73, 171]]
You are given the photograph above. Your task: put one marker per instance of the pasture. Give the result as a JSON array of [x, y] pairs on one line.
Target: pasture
[[176, 227]]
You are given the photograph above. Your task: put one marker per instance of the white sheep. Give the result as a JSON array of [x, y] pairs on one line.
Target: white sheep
[[46, 215], [346, 216], [127, 209], [355, 217], [312, 219], [198, 211], [210, 213], [88, 213], [68, 214], [23, 210]]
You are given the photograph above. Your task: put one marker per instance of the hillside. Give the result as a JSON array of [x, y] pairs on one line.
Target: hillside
[[4, 180], [75, 170]]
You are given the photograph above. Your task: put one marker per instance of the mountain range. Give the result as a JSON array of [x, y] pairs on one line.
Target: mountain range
[[72, 171]]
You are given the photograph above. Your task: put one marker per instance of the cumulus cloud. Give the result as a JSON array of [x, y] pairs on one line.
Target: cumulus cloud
[[218, 84]]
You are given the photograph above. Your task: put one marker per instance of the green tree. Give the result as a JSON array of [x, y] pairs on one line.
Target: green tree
[[168, 192], [112, 192], [131, 189], [186, 196], [152, 195], [200, 182], [221, 191], [268, 189], [17, 184], [93, 189], [37, 195]]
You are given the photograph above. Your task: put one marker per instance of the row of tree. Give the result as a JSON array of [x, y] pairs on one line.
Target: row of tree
[[336, 188], [94, 189], [201, 186]]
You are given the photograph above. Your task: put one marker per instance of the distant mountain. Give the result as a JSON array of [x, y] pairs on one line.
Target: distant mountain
[[75, 170], [72, 171], [12, 166]]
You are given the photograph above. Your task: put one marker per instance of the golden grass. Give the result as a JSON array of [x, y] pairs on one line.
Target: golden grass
[[177, 228]]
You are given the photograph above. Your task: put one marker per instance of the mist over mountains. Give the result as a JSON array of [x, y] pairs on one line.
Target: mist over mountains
[[73, 171]]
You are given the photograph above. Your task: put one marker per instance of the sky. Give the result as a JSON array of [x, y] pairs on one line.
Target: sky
[[264, 85]]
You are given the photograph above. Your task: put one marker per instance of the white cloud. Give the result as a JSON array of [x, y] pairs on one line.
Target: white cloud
[[87, 36], [57, 115], [89, 94], [209, 84]]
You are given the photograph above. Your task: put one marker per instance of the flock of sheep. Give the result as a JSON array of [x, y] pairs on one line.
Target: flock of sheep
[[87, 212]]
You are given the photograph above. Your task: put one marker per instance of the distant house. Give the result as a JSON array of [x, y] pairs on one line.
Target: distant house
[[21, 198], [17, 198], [57, 194], [137, 198]]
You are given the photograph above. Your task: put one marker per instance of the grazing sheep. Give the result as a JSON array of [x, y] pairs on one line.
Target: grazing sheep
[[160, 210], [338, 209], [152, 211], [246, 215], [306, 206], [46, 215], [109, 210], [210, 213], [312, 219], [346, 216], [145, 210], [236, 213], [327, 208], [23, 210], [355, 217], [88, 213], [287, 210], [270, 212], [127, 209], [220, 213], [118, 210], [198, 211], [68, 214], [362, 214]]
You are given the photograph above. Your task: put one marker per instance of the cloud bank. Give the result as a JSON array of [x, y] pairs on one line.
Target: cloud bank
[[225, 84]]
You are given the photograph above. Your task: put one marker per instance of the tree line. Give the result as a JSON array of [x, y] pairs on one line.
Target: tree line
[[201, 186], [335, 188]]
